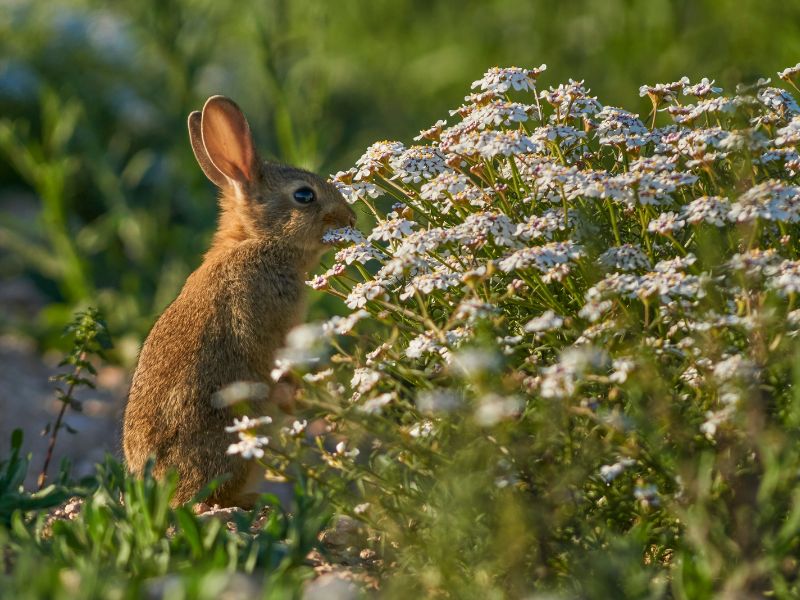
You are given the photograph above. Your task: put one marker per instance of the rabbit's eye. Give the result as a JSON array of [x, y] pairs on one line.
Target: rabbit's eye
[[305, 195]]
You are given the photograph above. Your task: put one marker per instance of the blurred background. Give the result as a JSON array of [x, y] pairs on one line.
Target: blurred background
[[101, 202]]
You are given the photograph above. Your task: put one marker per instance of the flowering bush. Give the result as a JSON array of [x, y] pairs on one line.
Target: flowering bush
[[570, 357]]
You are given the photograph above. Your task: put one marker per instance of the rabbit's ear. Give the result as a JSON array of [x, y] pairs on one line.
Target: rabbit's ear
[[227, 140], [196, 138]]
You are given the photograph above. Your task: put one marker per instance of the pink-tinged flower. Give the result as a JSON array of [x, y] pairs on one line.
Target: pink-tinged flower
[[503, 79]]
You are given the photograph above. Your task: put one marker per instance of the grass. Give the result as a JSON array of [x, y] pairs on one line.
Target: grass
[[128, 542]]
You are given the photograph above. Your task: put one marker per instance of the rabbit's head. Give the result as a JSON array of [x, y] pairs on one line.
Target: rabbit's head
[[262, 199]]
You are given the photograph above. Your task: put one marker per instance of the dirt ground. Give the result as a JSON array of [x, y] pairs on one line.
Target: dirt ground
[[28, 402], [27, 396]]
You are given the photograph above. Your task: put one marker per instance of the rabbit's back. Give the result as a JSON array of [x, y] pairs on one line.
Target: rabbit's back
[[225, 326]]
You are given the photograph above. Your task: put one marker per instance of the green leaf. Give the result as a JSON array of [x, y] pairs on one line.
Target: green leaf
[[190, 530]]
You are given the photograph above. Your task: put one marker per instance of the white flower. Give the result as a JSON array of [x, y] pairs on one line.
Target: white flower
[[491, 144], [625, 258], [708, 209], [239, 391], [282, 367], [790, 134], [375, 405], [422, 429], [789, 73], [432, 133], [249, 445], [786, 278], [702, 89], [503, 79], [246, 423], [544, 226], [481, 226], [770, 200], [428, 282], [320, 282], [497, 113], [734, 366], [343, 234], [364, 292], [619, 127], [341, 450], [319, 376], [297, 428], [666, 223], [755, 262], [565, 136], [622, 368], [422, 344], [646, 494], [780, 155], [547, 321], [493, 408], [438, 401], [664, 91], [304, 337], [594, 308], [610, 472], [447, 182], [418, 163], [376, 158], [557, 381], [392, 229], [780, 101], [472, 310], [353, 191], [571, 101], [375, 355], [364, 379], [716, 418], [688, 113], [691, 376], [552, 259], [343, 325]]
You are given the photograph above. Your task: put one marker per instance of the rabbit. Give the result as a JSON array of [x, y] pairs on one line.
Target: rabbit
[[233, 312]]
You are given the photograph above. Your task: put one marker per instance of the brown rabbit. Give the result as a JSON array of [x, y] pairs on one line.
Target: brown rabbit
[[234, 311]]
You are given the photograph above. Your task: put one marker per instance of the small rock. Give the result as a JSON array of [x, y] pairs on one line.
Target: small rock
[[330, 587], [344, 532]]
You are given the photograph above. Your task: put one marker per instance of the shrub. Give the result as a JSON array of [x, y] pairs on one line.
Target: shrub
[[569, 361]]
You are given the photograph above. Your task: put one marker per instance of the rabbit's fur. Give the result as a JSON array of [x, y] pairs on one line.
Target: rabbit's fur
[[233, 313]]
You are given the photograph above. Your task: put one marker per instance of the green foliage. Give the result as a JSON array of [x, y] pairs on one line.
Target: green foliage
[[90, 338], [127, 541], [94, 98], [13, 497]]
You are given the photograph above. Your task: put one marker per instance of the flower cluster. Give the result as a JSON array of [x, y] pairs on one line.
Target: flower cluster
[[508, 210], [545, 252]]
